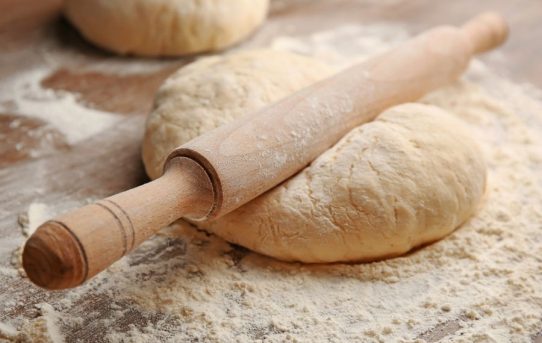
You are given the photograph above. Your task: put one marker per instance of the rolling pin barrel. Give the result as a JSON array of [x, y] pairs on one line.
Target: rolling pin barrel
[[273, 144], [223, 169]]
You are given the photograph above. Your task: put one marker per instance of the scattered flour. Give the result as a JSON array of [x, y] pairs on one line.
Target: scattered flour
[[345, 45], [480, 284], [8, 331], [37, 214], [46, 328], [25, 96]]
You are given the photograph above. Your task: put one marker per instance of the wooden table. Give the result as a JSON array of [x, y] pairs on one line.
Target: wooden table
[[109, 161]]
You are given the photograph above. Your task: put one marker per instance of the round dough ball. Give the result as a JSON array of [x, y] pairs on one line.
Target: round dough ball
[[216, 90], [410, 177], [165, 27]]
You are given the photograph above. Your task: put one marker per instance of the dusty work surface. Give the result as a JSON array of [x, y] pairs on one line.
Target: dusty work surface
[[71, 122]]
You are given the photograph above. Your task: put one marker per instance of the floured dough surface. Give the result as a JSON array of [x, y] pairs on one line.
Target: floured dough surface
[[165, 27], [410, 177], [215, 90]]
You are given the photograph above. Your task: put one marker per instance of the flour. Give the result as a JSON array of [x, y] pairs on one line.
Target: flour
[[345, 45], [480, 284], [7, 331], [37, 214], [25, 96], [46, 328]]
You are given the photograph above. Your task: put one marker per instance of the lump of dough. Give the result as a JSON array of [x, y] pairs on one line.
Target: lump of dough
[[216, 90], [165, 27], [410, 177]]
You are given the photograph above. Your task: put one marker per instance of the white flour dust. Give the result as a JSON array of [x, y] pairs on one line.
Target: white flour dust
[[37, 214], [480, 284], [25, 96], [345, 45]]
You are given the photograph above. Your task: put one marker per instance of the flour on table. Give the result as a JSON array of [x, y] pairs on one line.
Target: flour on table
[[345, 45], [29, 221], [36, 215], [8, 331], [45, 328], [480, 284], [25, 96]]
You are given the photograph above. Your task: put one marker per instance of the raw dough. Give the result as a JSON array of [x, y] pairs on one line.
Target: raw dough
[[165, 27], [410, 177], [215, 90]]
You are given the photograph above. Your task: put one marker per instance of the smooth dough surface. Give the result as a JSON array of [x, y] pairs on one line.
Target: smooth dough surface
[[410, 177], [165, 27]]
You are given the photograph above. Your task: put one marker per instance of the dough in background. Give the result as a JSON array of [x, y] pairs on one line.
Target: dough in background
[[165, 27], [410, 177]]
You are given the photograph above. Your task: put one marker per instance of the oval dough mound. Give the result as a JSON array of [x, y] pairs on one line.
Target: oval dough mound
[[410, 177], [165, 27], [216, 90]]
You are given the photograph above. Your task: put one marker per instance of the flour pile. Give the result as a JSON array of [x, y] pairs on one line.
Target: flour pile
[[480, 284]]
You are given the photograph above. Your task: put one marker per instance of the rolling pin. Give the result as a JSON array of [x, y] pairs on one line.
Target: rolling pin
[[225, 168]]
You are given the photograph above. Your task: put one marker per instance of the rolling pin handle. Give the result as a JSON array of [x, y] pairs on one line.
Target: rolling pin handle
[[68, 250], [53, 257], [486, 31]]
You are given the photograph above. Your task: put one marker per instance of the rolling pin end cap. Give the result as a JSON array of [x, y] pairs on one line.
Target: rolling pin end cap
[[53, 258], [486, 31]]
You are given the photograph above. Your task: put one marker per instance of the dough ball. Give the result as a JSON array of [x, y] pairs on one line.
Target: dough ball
[[410, 177], [216, 90], [165, 27]]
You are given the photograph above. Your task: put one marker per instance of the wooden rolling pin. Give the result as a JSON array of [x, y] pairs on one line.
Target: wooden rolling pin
[[223, 169]]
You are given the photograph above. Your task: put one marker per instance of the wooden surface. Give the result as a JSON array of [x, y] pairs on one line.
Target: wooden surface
[[109, 161]]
